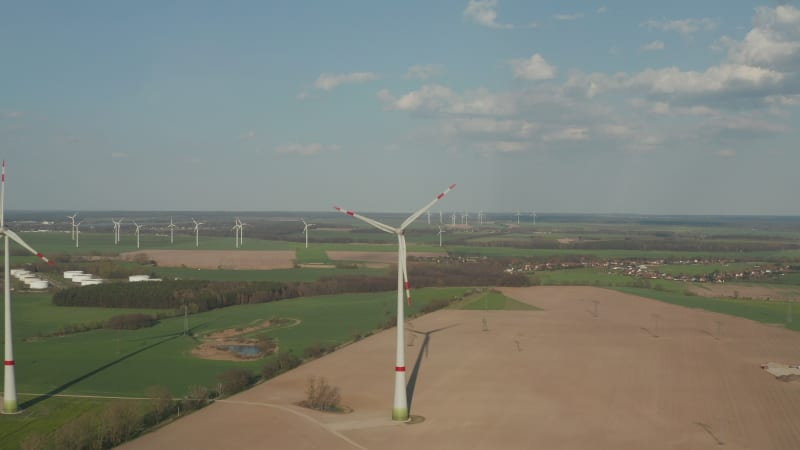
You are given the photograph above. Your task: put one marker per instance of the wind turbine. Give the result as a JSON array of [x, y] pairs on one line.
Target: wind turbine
[[138, 227], [117, 226], [197, 232], [453, 218], [429, 217], [441, 232], [518, 214], [9, 382], [78, 234], [400, 409], [480, 217], [534, 217], [241, 232], [171, 227], [236, 230], [440, 217], [306, 226], [72, 217]]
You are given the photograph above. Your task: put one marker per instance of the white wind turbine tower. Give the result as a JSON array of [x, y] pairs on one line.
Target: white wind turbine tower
[[197, 232], [241, 232], [534, 217], [518, 214], [9, 381], [72, 217], [441, 222], [138, 227], [453, 218], [441, 232], [400, 408], [429, 217], [78, 234], [237, 227], [117, 227], [306, 226], [480, 217], [171, 227]]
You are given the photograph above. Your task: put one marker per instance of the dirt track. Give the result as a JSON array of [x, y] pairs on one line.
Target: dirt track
[[220, 259], [641, 374]]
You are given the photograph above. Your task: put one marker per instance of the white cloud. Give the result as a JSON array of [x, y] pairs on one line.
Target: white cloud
[[602, 10], [441, 99], [119, 155], [247, 136], [534, 68], [425, 71], [773, 42], [652, 46], [305, 149], [328, 81], [489, 126], [502, 147], [685, 27], [564, 17], [567, 134], [483, 13], [10, 115], [726, 153]]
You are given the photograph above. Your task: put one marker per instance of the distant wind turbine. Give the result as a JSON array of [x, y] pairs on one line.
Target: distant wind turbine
[[518, 214], [197, 232], [171, 227], [9, 381], [400, 409], [429, 216], [453, 218], [236, 230], [72, 217], [78, 234], [138, 227], [534, 217], [441, 232], [440, 217], [241, 232], [306, 226]]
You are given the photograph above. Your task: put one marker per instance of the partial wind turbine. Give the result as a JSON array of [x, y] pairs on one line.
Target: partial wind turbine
[[441, 232], [429, 216], [533, 214], [9, 382], [241, 232], [117, 226], [171, 227], [400, 409], [518, 214], [197, 232], [306, 226], [138, 227]]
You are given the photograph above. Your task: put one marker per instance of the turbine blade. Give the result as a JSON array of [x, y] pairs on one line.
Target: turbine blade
[[421, 211], [15, 237], [404, 258], [372, 222], [3, 197]]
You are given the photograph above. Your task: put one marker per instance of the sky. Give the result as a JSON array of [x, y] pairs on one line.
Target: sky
[[679, 107]]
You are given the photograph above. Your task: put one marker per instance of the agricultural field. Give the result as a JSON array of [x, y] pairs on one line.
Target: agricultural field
[[119, 363]]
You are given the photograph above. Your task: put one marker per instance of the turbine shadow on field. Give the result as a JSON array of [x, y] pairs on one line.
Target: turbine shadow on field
[[72, 382], [412, 381]]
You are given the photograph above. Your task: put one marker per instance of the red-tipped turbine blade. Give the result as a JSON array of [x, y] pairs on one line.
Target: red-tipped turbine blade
[[373, 222], [15, 237], [421, 211]]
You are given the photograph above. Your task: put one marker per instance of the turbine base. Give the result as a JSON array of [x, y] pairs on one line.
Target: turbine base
[[400, 414]]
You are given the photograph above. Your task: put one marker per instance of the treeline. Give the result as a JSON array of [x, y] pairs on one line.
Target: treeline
[[678, 245], [198, 295], [485, 273]]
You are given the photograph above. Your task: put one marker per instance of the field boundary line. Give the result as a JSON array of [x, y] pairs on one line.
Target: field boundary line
[[297, 413]]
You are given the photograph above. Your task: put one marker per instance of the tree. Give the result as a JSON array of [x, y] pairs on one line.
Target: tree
[[321, 396]]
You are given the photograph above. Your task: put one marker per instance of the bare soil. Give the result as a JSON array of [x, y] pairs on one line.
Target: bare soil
[[220, 259], [213, 344], [637, 374], [745, 292]]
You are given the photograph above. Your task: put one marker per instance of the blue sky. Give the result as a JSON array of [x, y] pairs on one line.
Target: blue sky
[[679, 107]]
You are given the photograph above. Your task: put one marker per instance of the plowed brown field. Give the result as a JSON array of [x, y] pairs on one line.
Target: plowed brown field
[[639, 374]]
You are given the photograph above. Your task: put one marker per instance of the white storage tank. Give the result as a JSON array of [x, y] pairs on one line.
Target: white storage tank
[[19, 272], [81, 277], [71, 273], [135, 278], [91, 282], [39, 284]]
